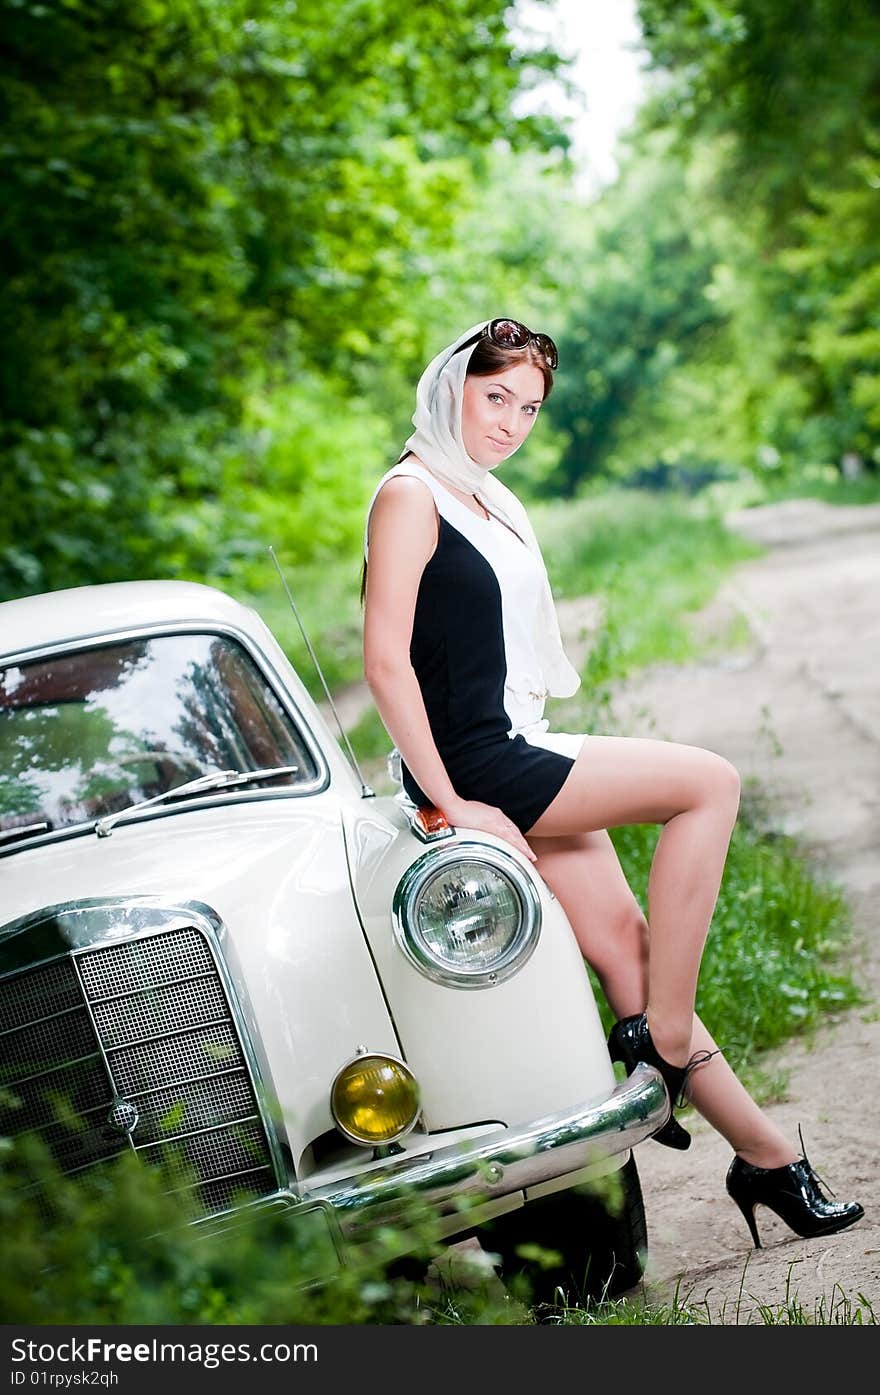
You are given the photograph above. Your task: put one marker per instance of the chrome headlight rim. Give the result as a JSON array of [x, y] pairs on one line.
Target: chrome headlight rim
[[425, 869], [361, 1058]]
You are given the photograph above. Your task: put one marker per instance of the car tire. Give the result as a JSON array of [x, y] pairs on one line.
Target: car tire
[[600, 1241]]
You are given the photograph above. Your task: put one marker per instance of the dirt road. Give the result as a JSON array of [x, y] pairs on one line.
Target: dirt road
[[799, 712]]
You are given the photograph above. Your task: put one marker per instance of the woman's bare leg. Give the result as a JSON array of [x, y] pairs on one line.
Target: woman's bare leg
[[694, 794], [584, 872]]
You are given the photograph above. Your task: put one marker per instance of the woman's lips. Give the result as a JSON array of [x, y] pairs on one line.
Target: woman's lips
[[499, 445]]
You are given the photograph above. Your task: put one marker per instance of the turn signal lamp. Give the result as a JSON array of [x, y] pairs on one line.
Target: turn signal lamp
[[375, 1099], [431, 824]]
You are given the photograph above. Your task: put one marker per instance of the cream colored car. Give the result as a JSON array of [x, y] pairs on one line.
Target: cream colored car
[[216, 941]]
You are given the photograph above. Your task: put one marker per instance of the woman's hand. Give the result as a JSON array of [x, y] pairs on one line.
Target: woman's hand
[[470, 813]]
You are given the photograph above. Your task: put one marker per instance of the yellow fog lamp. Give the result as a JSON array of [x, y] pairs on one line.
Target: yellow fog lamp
[[375, 1099]]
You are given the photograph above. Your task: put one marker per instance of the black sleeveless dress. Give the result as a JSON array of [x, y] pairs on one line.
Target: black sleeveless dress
[[472, 650]]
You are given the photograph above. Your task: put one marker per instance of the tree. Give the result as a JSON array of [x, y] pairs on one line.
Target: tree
[[638, 308], [787, 95]]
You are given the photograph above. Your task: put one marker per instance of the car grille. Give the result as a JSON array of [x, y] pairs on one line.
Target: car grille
[[133, 1045]]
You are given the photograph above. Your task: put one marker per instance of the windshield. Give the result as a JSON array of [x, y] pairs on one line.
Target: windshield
[[88, 733]]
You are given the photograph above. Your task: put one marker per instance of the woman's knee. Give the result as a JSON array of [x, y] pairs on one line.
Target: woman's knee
[[730, 784], [721, 784]]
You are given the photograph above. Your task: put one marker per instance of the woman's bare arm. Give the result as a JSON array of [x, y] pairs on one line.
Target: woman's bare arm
[[403, 535], [402, 538]]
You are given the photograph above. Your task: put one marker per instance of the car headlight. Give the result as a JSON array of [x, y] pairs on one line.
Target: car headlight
[[374, 1099], [468, 916]]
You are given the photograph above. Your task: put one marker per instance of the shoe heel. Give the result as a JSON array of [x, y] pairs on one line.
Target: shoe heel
[[794, 1193], [749, 1214]]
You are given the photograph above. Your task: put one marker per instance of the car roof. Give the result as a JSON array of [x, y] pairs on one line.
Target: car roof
[[56, 617]]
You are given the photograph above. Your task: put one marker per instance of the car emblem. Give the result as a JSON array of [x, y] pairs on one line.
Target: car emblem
[[123, 1116]]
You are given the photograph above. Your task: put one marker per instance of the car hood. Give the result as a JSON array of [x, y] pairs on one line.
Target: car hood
[[276, 874]]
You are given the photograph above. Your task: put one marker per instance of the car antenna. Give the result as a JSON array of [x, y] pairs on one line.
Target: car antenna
[[366, 792]]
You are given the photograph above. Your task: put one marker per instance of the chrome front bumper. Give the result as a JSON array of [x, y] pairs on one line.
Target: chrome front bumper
[[507, 1162]]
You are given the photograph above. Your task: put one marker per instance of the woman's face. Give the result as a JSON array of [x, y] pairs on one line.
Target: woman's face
[[497, 413]]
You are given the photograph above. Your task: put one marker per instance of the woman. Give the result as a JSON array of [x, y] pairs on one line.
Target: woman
[[461, 648]]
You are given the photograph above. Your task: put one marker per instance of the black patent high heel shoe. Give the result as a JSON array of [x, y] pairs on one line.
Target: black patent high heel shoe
[[629, 1041], [794, 1192]]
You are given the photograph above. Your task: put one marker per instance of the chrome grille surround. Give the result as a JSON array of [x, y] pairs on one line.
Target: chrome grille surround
[[125, 1009]]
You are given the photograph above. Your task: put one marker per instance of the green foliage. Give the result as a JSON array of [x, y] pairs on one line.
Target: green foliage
[[109, 1246], [310, 453], [825, 482], [638, 307], [793, 82], [779, 103], [234, 232], [203, 200], [836, 257]]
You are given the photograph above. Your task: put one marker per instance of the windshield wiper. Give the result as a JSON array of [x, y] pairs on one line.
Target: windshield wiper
[[216, 780], [24, 832]]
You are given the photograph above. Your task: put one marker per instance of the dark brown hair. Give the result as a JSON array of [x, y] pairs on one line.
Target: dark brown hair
[[486, 360]]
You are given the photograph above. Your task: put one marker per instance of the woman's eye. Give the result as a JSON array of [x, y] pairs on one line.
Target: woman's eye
[[495, 397], [532, 411]]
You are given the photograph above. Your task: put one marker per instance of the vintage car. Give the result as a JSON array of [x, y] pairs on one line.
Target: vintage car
[[217, 939]]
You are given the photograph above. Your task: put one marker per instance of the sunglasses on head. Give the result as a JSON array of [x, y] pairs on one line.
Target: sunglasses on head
[[512, 334]]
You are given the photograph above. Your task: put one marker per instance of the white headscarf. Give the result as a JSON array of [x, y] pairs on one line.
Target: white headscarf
[[437, 442]]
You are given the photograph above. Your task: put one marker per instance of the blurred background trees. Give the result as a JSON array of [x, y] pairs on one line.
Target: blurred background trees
[[233, 232], [780, 104], [214, 212]]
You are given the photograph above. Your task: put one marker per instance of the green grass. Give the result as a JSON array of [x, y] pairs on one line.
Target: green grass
[[839, 1309], [371, 742]]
